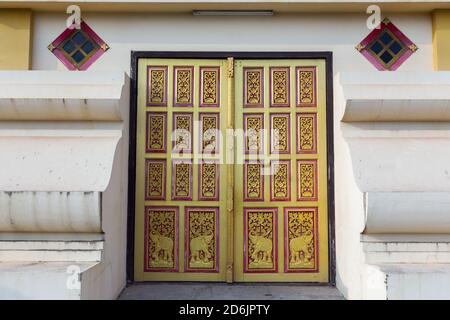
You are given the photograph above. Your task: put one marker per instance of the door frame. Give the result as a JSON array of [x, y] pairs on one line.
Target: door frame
[[136, 55]]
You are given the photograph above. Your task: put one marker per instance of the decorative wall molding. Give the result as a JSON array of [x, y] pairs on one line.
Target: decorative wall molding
[[59, 129], [68, 212], [397, 128]]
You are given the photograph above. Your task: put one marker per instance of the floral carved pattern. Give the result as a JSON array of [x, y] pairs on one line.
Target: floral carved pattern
[[260, 236], [306, 86], [280, 180], [279, 82], [209, 139], [161, 231], [280, 142], [155, 179], [202, 242], [183, 86], [253, 126], [209, 181], [253, 87], [182, 132], [306, 133], [157, 83], [156, 132], [253, 182], [182, 180], [301, 239], [307, 180], [209, 95]]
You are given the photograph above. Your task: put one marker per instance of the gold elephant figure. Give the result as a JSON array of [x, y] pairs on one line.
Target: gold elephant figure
[[164, 246], [298, 245], [200, 245], [261, 245]]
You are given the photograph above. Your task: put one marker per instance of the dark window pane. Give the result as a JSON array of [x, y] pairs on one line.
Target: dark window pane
[[376, 47], [88, 47], [78, 56], [69, 47], [79, 38], [386, 38], [395, 47], [386, 57]]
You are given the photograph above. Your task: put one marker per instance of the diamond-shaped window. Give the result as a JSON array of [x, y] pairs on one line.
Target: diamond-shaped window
[[386, 47], [77, 49]]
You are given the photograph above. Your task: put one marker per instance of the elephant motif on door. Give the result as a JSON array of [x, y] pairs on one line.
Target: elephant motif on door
[[201, 239], [301, 239], [262, 251], [200, 248], [300, 249], [163, 252], [261, 239]]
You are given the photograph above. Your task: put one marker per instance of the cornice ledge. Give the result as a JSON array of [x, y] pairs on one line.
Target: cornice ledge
[[393, 96], [61, 95]]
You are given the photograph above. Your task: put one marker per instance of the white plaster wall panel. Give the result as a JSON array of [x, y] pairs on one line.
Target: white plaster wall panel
[[349, 219], [106, 280], [401, 165], [373, 282], [429, 282], [50, 212], [408, 212], [56, 163], [100, 282], [337, 32], [407, 281]]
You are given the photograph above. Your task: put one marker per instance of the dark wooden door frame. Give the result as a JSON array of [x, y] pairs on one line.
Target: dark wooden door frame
[[136, 55]]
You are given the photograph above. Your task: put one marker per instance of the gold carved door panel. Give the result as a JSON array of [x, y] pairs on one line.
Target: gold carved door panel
[[244, 204], [180, 232], [280, 199]]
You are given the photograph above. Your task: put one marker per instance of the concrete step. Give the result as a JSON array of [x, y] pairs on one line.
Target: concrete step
[[223, 291], [44, 280]]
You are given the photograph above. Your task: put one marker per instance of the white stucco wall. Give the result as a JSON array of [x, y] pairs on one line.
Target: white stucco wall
[[338, 33]]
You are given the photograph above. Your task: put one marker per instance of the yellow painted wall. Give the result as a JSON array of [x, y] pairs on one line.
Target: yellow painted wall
[[441, 39], [15, 39]]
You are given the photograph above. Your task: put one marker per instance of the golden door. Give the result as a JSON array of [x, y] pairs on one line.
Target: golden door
[[231, 171]]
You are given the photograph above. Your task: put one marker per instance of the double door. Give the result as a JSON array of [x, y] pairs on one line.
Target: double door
[[231, 171]]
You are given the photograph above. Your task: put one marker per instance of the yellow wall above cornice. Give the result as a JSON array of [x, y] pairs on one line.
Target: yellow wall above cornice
[[15, 39], [441, 39]]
